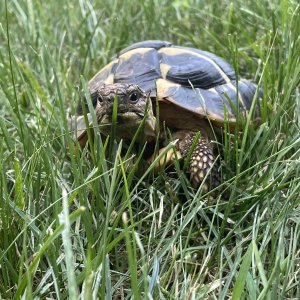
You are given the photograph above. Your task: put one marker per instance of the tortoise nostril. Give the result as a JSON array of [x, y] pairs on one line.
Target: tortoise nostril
[[99, 96], [100, 99]]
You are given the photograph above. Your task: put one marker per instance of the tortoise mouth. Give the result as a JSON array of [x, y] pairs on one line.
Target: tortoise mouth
[[128, 118], [127, 124]]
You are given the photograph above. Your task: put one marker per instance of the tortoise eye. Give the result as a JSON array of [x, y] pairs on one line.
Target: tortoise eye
[[134, 97]]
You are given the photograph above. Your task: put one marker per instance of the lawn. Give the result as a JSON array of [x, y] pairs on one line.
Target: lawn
[[83, 225]]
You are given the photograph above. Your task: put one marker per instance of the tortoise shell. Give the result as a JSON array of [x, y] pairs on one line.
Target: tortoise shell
[[194, 80]]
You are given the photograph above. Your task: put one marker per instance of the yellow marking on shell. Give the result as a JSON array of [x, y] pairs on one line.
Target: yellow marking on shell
[[164, 69], [213, 90], [177, 51], [108, 66], [200, 164], [202, 108], [201, 174], [109, 79], [129, 53], [215, 117], [233, 87], [163, 86]]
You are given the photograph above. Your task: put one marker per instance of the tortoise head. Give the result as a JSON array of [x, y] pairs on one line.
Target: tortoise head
[[132, 104]]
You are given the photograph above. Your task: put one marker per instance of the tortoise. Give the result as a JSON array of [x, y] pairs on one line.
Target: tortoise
[[195, 91]]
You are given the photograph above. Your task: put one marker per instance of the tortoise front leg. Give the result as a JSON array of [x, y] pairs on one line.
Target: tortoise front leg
[[202, 164]]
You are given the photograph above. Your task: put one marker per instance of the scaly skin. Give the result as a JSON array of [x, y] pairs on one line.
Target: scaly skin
[[131, 107], [202, 165]]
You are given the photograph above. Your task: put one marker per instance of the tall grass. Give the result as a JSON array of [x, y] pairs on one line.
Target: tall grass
[[77, 225]]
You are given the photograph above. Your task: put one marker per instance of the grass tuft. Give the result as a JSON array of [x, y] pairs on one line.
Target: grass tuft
[[84, 225]]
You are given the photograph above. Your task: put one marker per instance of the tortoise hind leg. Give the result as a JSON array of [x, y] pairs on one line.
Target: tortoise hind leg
[[202, 164]]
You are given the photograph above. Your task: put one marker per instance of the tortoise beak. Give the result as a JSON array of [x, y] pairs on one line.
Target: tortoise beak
[[136, 118], [150, 122], [150, 126]]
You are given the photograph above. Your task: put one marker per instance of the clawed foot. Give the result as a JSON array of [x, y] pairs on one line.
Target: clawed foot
[[202, 166]]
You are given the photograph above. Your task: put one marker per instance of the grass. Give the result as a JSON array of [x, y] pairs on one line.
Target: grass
[[78, 227]]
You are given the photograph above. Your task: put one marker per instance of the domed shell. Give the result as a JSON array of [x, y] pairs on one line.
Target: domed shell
[[195, 80]]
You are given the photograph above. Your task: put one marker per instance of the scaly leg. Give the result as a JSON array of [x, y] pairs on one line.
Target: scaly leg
[[202, 164], [202, 160]]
